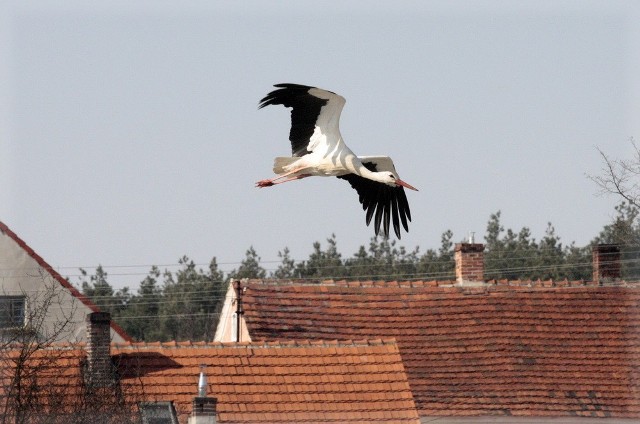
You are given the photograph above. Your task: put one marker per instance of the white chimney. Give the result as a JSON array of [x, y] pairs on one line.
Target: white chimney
[[202, 382], [204, 408]]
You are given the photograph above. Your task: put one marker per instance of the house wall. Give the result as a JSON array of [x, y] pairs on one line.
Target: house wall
[[22, 274]]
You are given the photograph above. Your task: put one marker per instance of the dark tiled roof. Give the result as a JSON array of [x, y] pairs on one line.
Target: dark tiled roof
[[266, 382], [59, 278], [512, 348]]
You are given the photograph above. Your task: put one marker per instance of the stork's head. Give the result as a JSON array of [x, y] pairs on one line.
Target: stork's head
[[391, 179]]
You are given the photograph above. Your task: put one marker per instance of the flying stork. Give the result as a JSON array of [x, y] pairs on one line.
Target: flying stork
[[318, 150]]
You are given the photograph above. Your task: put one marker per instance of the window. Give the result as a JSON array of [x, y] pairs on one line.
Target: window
[[158, 413], [12, 311]]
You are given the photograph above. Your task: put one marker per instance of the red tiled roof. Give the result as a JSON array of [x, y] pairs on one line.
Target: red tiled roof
[[514, 348], [283, 382], [266, 382], [59, 278]]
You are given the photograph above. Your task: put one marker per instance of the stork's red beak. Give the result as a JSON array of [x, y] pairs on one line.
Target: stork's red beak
[[405, 184]]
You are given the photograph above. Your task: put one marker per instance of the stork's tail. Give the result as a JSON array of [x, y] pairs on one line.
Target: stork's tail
[[280, 163]]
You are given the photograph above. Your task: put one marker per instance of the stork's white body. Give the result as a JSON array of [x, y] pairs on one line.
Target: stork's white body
[[319, 150], [328, 155], [328, 165]]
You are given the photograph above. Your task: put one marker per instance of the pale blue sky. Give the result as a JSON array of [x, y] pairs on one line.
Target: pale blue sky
[[130, 135]]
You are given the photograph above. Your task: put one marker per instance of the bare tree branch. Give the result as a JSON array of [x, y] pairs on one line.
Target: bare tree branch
[[32, 389], [620, 177]]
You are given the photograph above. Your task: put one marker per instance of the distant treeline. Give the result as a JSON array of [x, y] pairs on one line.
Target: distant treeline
[[185, 304]]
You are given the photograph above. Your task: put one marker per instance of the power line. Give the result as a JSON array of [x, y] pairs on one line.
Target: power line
[[535, 250], [504, 254], [343, 262], [398, 274]]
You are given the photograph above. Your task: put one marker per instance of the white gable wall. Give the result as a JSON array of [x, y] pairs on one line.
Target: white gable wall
[[227, 327], [21, 274]]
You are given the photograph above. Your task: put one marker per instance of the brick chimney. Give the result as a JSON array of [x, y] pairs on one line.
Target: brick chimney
[[469, 259], [606, 262], [99, 366]]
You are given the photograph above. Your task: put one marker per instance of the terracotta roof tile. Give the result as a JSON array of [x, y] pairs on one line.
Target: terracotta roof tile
[[510, 347]]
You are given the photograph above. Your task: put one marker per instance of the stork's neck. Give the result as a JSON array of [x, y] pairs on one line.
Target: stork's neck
[[363, 171], [366, 173]]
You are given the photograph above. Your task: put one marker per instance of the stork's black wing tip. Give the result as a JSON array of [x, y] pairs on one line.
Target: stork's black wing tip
[[292, 86], [283, 94], [384, 205]]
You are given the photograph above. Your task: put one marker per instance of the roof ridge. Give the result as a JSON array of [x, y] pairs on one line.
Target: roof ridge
[[435, 284], [59, 278], [51, 346], [287, 282], [304, 343]]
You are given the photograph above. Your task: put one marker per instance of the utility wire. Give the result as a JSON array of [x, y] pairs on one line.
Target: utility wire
[[398, 275], [343, 263], [504, 254]]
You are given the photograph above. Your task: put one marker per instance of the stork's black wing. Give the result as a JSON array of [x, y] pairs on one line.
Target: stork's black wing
[[386, 202], [304, 113]]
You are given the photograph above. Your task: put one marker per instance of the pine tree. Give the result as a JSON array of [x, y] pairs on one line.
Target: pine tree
[[323, 263], [191, 304], [249, 267], [141, 320], [287, 267], [438, 265], [98, 289]]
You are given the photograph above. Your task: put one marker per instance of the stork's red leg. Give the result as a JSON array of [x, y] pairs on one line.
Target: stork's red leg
[[269, 183], [272, 181]]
